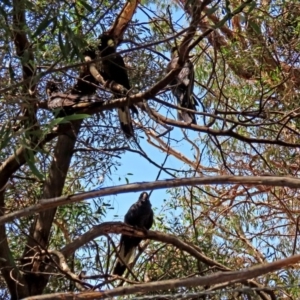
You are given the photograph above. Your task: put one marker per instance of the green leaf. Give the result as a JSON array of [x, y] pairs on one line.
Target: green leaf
[[25, 57], [54, 25], [33, 168], [62, 46], [55, 122], [6, 2], [76, 117], [64, 22], [43, 25], [211, 10], [11, 71], [4, 134], [3, 12], [67, 119], [86, 5], [255, 27], [252, 5]]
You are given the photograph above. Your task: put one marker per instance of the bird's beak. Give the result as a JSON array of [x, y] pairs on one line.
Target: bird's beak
[[144, 197]]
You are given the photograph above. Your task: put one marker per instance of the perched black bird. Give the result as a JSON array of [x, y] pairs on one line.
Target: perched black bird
[[182, 88], [140, 215], [86, 84], [113, 69], [68, 103]]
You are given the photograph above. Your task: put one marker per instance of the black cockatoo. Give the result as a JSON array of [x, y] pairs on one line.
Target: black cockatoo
[[69, 103], [113, 69], [86, 84], [140, 215], [182, 88]]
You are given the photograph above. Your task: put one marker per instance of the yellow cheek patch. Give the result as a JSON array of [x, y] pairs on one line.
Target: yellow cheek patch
[[110, 43]]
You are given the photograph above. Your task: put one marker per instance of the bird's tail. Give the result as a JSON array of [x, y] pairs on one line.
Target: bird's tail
[[127, 258], [185, 100], [187, 116], [125, 121]]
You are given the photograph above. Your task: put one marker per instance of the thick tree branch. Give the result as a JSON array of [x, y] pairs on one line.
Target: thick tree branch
[[229, 132], [121, 23], [13, 278], [53, 186], [159, 184], [217, 278], [11, 274], [122, 228], [64, 268], [20, 39]]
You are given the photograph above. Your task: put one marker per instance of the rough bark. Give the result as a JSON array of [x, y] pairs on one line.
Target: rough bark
[[53, 187]]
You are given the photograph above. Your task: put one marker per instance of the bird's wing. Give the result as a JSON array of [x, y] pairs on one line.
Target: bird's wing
[[186, 75], [132, 214], [61, 100], [125, 121], [113, 68], [118, 71], [140, 214], [182, 89], [128, 244], [172, 64], [149, 220], [86, 84]]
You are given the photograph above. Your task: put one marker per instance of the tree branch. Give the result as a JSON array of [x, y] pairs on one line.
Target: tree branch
[[159, 184], [217, 278], [122, 228], [53, 187], [16, 286]]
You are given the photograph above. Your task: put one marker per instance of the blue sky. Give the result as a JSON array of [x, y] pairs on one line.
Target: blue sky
[[141, 169]]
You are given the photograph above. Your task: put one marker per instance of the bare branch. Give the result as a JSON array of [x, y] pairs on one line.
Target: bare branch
[[217, 278], [122, 228], [160, 184]]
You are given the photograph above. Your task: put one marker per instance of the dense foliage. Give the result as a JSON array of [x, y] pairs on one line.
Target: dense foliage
[[247, 79]]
